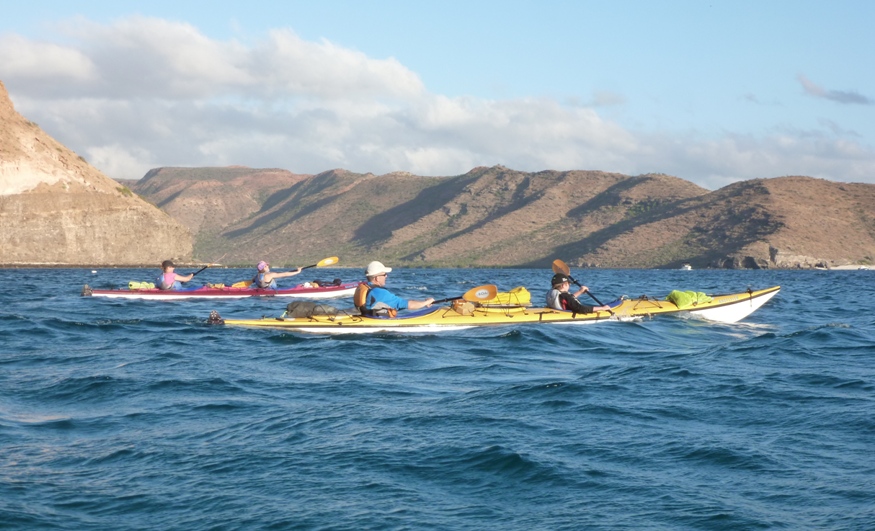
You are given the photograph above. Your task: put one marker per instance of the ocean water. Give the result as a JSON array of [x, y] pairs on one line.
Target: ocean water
[[139, 415]]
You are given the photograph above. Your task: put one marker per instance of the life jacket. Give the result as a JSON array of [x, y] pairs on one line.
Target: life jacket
[[165, 281], [360, 297], [259, 282], [361, 300], [553, 300]]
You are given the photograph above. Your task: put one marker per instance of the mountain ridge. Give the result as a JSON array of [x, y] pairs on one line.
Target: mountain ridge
[[496, 216]]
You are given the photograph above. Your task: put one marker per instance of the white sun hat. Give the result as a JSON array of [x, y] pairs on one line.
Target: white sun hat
[[377, 268]]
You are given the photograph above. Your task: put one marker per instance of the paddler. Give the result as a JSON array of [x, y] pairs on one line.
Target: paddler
[[559, 298], [170, 280], [266, 279], [372, 298]]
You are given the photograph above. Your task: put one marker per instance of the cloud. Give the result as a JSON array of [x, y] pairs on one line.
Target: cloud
[[41, 61], [838, 96], [143, 92]]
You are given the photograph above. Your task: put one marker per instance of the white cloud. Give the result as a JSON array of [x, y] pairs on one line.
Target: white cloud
[[145, 92], [42, 61]]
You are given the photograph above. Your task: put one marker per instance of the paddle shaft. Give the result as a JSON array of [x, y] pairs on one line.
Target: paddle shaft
[[588, 293], [447, 299], [199, 270]]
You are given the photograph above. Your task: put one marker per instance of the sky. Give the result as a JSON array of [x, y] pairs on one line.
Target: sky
[[713, 92]]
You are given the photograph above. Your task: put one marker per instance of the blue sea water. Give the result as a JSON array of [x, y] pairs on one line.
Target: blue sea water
[[138, 415]]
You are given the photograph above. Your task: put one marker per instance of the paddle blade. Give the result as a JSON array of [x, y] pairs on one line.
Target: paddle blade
[[481, 293], [331, 260], [561, 267]]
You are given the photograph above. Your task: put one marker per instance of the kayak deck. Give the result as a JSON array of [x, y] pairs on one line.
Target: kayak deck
[[728, 308], [225, 292]]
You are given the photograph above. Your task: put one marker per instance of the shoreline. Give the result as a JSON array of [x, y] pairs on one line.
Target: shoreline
[[847, 267]]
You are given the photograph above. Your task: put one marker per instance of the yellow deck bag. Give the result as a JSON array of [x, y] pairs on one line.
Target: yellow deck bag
[[518, 296], [141, 285], [685, 299]]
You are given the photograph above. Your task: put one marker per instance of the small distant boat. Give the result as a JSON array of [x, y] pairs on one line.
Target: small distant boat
[[686, 267]]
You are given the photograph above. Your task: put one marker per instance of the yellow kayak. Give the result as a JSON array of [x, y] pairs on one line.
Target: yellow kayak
[[729, 308]]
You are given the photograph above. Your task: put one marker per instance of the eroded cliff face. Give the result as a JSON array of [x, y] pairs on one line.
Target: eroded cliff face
[[56, 209]]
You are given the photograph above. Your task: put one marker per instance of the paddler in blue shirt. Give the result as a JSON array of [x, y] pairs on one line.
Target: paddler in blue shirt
[[266, 279], [375, 299], [170, 280]]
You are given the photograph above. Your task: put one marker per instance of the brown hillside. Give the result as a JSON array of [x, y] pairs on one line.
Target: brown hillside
[[832, 221], [57, 209], [206, 200], [501, 217]]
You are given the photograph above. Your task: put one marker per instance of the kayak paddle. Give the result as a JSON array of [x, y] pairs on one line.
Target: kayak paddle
[[561, 267], [482, 293], [331, 260], [204, 267]]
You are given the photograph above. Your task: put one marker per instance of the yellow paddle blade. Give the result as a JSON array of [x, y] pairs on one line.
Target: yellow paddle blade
[[242, 284], [331, 260], [481, 293], [561, 267]]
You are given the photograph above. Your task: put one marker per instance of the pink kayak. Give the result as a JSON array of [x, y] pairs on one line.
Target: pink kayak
[[225, 292]]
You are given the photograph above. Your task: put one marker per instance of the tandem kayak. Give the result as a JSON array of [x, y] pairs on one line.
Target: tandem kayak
[[729, 308], [225, 292]]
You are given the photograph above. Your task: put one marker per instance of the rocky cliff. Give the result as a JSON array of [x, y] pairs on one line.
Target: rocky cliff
[[56, 209]]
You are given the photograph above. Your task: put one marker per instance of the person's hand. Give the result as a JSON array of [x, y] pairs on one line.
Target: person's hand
[[428, 302]]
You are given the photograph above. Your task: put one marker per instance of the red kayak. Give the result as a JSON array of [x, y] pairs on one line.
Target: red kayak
[[225, 292]]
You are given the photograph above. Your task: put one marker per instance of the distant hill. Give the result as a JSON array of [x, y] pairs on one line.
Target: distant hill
[[501, 217], [56, 209]]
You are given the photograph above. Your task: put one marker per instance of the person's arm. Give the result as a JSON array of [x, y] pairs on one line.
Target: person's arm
[[271, 275], [287, 273], [185, 278], [581, 291], [415, 305], [574, 305]]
